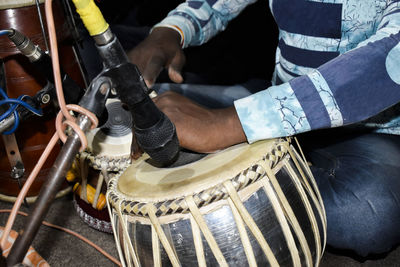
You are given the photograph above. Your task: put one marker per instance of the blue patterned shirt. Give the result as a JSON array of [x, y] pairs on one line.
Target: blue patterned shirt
[[337, 63]]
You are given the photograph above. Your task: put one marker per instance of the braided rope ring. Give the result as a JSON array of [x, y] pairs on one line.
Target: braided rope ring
[[61, 125]]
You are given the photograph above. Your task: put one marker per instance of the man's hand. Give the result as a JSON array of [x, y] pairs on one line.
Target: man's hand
[[161, 49], [136, 150], [200, 129]]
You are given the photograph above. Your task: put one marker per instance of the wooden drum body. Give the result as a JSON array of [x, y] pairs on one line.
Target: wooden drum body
[[22, 78], [248, 205]]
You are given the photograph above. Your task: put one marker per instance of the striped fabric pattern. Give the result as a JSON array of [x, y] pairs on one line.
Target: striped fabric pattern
[[336, 63]]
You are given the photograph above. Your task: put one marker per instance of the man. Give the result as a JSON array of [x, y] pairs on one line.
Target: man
[[336, 67]]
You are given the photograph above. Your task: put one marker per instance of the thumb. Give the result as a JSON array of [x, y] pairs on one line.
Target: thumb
[[175, 68]]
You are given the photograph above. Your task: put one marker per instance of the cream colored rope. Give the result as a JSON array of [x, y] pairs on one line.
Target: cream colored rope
[[198, 217], [292, 153], [127, 241], [314, 188], [320, 208], [292, 217], [115, 231], [112, 163], [294, 253], [301, 151], [198, 243], [98, 190], [105, 174], [310, 213], [248, 249], [156, 247], [250, 223], [151, 211]]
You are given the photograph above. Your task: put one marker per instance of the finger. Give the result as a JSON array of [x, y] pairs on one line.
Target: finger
[[175, 75], [175, 68], [152, 70], [149, 83], [136, 151]]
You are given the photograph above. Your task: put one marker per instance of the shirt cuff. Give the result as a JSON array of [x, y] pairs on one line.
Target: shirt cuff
[[271, 113], [173, 27], [182, 25]]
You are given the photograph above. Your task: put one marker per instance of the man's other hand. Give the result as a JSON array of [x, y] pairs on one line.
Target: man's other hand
[[161, 49]]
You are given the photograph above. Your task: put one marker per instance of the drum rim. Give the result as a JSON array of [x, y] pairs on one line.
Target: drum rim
[[108, 163], [176, 204], [7, 4], [110, 151]]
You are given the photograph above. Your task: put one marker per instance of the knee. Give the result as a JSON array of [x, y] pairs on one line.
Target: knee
[[365, 220]]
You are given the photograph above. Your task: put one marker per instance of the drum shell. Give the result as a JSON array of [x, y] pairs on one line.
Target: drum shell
[[220, 220], [98, 219], [34, 134]]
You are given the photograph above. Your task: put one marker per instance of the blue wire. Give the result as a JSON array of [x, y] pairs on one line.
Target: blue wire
[[20, 102], [12, 108], [4, 32], [17, 102], [8, 112]]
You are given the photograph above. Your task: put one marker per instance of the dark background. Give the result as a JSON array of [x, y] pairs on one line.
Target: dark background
[[244, 51]]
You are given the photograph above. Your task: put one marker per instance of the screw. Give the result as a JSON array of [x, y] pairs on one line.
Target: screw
[[45, 98]]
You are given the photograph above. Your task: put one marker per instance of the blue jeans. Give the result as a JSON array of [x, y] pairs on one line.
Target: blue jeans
[[358, 174]]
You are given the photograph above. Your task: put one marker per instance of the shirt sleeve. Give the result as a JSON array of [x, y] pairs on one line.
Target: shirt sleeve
[[350, 88], [199, 20]]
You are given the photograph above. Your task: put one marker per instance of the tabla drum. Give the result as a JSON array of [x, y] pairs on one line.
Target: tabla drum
[[108, 152], [255, 205], [22, 78]]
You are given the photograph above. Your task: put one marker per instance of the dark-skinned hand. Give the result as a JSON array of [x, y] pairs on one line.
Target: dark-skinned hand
[[198, 128], [161, 49]]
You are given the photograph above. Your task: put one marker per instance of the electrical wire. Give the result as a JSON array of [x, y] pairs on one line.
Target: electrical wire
[[22, 194], [5, 32], [60, 132], [12, 109], [19, 101]]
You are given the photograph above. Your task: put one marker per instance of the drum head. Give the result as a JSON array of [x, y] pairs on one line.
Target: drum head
[[146, 183], [114, 138]]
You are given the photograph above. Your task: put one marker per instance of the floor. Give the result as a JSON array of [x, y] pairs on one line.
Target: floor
[[62, 249]]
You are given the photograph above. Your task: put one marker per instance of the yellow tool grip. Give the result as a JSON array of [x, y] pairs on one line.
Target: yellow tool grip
[[91, 16], [90, 192]]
